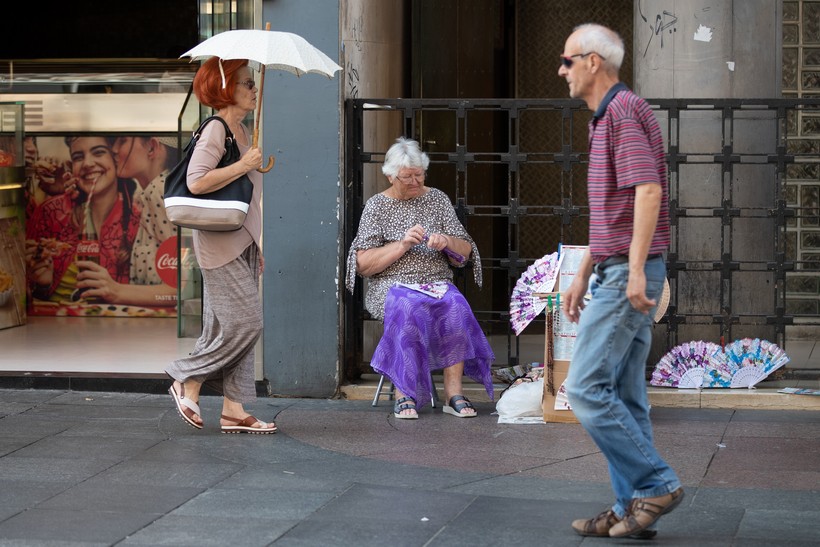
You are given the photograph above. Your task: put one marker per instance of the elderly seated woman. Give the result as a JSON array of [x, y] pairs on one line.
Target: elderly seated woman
[[408, 239]]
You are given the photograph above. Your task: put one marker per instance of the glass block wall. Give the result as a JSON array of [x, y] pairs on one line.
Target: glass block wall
[[801, 79]]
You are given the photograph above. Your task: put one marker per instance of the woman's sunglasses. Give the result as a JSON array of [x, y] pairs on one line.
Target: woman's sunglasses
[[567, 61], [249, 84]]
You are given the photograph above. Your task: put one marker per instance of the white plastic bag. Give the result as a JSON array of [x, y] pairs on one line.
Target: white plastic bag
[[521, 401]]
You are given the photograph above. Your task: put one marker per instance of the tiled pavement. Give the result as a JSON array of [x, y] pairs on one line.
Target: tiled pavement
[[123, 469]]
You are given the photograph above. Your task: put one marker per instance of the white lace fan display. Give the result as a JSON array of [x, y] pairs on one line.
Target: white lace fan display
[[696, 365]]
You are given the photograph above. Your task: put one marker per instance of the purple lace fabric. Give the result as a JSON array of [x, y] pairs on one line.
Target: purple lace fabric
[[422, 334]]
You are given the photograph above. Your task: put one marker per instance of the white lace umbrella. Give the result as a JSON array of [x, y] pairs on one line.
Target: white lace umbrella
[[266, 49]]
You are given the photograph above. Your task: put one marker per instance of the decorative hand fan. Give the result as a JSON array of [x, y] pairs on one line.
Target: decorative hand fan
[[663, 301], [540, 277], [684, 366], [718, 373], [748, 361]]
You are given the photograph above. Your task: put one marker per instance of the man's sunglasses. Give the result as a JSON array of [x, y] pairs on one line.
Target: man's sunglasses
[[567, 61]]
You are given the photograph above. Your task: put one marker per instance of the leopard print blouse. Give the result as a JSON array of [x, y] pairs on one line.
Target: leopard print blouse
[[385, 220]]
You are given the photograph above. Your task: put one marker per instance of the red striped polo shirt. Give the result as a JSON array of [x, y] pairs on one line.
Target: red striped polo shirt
[[625, 149]]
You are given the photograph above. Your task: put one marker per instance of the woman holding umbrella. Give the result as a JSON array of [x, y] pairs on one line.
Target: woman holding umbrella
[[231, 262]]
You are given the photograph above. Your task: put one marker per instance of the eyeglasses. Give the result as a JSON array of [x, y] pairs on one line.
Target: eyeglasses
[[418, 177], [249, 84], [567, 61]]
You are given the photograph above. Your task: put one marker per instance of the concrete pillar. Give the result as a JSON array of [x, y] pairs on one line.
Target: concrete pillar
[[374, 61], [303, 198], [375, 51], [302, 128], [709, 49], [716, 49]]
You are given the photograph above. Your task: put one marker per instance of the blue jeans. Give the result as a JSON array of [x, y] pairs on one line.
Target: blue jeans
[[606, 385]]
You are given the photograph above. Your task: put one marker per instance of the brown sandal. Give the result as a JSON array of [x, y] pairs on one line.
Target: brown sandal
[[643, 513], [246, 425], [596, 527], [599, 526]]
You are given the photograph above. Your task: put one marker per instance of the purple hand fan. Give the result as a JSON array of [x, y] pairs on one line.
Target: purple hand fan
[[684, 366], [540, 277]]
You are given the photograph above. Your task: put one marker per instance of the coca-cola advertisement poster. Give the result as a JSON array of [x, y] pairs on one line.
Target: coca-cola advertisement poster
[[98, 241]]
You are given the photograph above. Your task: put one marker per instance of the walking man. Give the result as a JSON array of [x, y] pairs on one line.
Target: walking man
[[628, 234]]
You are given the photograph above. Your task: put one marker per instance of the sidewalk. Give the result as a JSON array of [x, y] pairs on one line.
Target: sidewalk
[[765, 396], [123, 469]]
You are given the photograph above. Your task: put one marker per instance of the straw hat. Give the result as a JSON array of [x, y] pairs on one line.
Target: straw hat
[[663, 303]]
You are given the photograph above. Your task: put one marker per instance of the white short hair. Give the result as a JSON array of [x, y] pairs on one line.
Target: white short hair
[[602, 40], [403, 154]]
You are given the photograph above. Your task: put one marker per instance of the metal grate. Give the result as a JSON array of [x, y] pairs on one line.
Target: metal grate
[[730, 260]]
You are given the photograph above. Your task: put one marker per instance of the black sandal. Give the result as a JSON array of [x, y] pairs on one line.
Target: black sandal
[[405, 403], [455, 408]]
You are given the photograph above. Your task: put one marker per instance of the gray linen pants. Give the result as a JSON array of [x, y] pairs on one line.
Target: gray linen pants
[[224, 355]]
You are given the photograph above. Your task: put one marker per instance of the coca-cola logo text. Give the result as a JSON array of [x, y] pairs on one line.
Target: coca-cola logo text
[[88, 248], [167, 261]]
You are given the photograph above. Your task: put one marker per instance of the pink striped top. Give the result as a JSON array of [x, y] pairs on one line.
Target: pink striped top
[[625, 149]]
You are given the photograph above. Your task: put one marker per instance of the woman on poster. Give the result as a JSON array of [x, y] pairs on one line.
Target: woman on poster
[[147, 161], [54, 231]]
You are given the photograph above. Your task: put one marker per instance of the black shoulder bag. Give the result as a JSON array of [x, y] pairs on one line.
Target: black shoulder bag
[[223, 210]]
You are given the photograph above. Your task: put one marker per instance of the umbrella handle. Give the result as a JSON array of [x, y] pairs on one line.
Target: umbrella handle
[[269, 166], [271, 161]]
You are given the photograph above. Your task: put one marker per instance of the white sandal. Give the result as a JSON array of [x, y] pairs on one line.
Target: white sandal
[[185, 405]]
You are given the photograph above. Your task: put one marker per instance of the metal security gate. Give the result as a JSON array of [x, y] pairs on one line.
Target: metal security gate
[[516, 173]]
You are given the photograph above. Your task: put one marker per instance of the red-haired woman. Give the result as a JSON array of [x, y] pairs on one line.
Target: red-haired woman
[[231, 262]]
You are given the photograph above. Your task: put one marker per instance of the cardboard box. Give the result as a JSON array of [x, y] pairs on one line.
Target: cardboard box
[[559, 374], [562, 341], [560, 368]]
